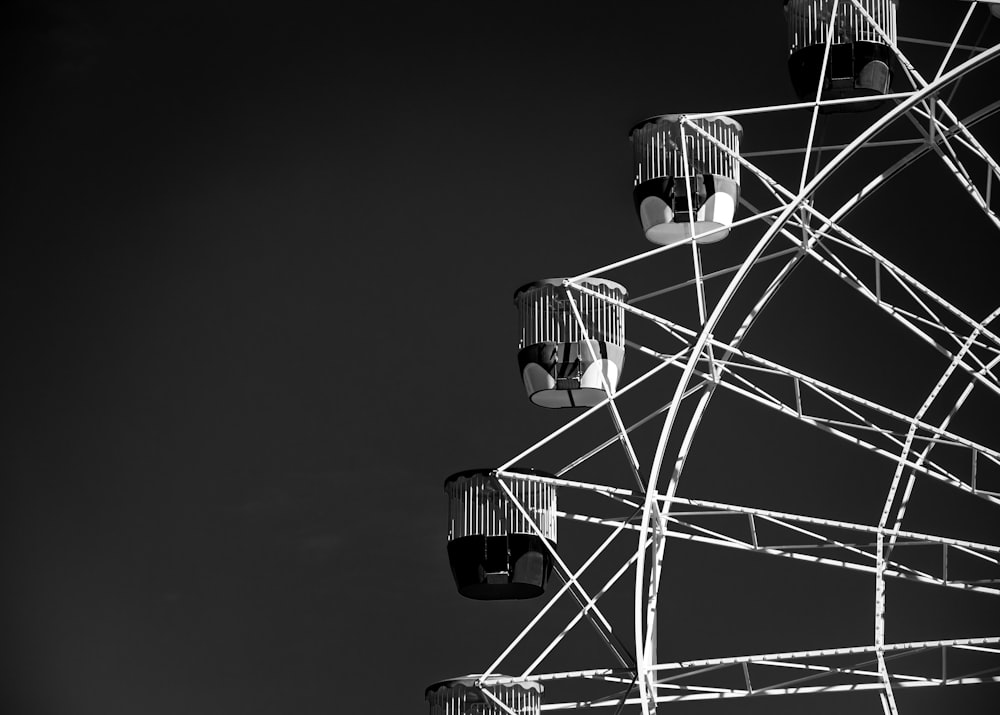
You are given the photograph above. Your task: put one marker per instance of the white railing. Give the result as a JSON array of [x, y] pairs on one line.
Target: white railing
[[809, 20], [657, 152], [477, 507], [545, 314], [453, 701]]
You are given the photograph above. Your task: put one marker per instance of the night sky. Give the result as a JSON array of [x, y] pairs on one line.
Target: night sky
[[256, 270]]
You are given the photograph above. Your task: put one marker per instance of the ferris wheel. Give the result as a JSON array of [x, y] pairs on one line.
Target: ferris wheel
[[743, 238]]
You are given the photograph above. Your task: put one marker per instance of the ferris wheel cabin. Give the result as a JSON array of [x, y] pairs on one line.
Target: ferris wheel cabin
[[564, 363], [493, 550], [860, 58], [461, 696], [686, 187]]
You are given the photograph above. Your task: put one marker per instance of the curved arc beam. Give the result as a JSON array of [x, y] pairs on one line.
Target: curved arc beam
[[723, 303], [901, 511], [900, 275], [695, 422], [833, 221], [881, 555], [918, 417]]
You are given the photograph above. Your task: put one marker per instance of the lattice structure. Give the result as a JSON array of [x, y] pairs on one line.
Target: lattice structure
[[710, 357]]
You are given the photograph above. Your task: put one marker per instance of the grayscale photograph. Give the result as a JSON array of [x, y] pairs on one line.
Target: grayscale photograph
[[500, 359]]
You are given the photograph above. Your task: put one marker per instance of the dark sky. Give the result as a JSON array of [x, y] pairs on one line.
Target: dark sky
[[256, 271]]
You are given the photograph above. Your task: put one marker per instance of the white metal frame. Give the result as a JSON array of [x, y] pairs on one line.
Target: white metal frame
[[908, 443]]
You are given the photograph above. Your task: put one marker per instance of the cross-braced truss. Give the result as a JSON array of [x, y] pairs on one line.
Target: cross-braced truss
[[710, 357]]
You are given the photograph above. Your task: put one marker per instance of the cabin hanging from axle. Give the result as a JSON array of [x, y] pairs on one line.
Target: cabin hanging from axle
[[493, 549], [565, 363], [686, 183], [461, 696], [860, 59]]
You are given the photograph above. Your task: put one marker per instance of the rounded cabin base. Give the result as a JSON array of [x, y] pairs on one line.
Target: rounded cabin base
[[491, 568], [668, 232], [566, 374], [559, 398], [662, 205], [856, 69]]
